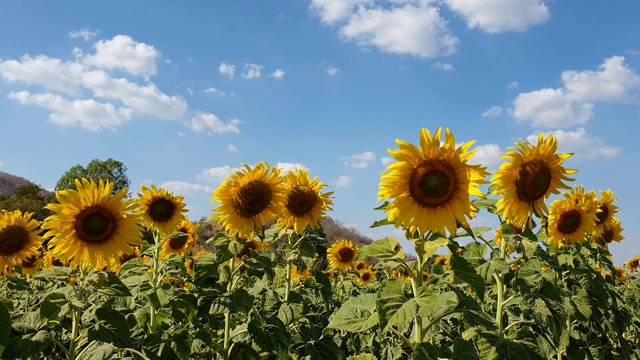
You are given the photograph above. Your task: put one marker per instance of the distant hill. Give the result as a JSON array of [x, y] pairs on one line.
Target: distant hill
[[8, 183]]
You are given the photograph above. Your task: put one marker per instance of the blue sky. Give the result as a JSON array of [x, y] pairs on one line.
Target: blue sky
[[184, 92]]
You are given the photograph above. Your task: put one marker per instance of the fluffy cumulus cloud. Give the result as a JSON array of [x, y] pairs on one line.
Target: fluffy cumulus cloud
[[333, 71], [584, 146], [185, 188], [278, 74], [573, 103], [252, 71], [344, 180], [359, 161], [494, 16], [387, 160], [227, 69], [487, 155], [216, 175], [286, 166], [413, 27], [104, 89]]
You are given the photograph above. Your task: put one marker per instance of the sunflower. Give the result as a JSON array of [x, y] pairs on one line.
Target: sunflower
[[341, 254], [443, 260], [116, 264], [19, 239], [329, 274], [298, 275], [91, 225], [620, 274], [366, 276], [190, 263], [255, 245], [248, 199], [49, 259], [360, 265], [183, 244], [305, 204], [612, 231], [431, 185], [633, 264], [572, 218], [606, 210], [528, 178], [160, 209], [32, 265]]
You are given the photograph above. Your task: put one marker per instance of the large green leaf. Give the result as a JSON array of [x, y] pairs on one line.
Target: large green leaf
[[431, 247], [383, 249], [356, 314], [96, 351], [495, 264], [323, 349], [425, 351], [463, 270], [269, 336], [111, 327], [27, 346], [464, 350], [427, 301], [394, 307], [54, 302], [5, 329]]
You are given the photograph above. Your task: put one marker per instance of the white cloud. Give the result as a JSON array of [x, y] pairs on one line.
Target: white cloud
[[216, 175], [53, 74], [212, 90], [493, 112], [227, 69], [85, 33], [359, 161], [512, 85], [190, 91], [386, 161], [332, 71], [443, 66], [89, 114], [344, 180], [124, 53], [201, 121], [412, 27], [487, 155], [572, 104], [185, 188], [278, 74], [494, 16], [291, 166], [252, 71], [232, 148], [584, 146]]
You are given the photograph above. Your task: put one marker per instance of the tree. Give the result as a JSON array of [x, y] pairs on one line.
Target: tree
[[109, 169], [28, 198]]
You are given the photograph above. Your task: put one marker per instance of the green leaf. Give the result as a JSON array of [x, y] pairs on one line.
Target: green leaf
[[270, 336], [425, 351], [427, 301], [5, 329], [394, 307], [114, 286], [242, 351], [52, 304], [431, 247], [462, 270], [496, 264], [475, 250], [382, 249], [323, 349], [27, 346], [357, 314], [54, 272], [96, 351], [205, 268], [288, 312], [463, 350], [111, 327], [362, 357]]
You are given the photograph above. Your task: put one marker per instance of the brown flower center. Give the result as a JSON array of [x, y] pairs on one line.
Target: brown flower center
[[603, 214], [126, 257], [533, 179], [346, 254], [178, 242], [30, 262], [95, 224], [365, 276], [433, 183], [569, 221], [360, 266], [251, 199], [13, 239], [301, 201], [161, 209], [607, 235]]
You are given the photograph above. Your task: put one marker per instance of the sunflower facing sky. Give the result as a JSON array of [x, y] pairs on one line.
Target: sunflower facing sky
[[528, 177], [19, 239], [248, 199], [183, 244], [572, 218], [431, 185], [92, 225], [305, 203], [160, 209], [341, 254]]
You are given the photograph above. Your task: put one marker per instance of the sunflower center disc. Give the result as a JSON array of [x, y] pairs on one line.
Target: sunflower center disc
[[178, 242], [161, 210], [433, 183], [607, 235], [30, 262], [251, 199], [569, 222], [12, 240], [365, 277], [301, 201], [345, 254], [532, 180], [602, 215], [94, 224]]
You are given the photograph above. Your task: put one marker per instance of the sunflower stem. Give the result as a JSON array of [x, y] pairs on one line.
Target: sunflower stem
[[500, 287], [288, 270], [416, 283], [76, 315], [227, 313], [155, 275]]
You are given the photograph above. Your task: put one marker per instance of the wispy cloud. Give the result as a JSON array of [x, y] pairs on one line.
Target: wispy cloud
[[344, 180], [278, 74], [493, 112], [443, 66], [85, 33], [227, 69], [252, 71], [360, 161]]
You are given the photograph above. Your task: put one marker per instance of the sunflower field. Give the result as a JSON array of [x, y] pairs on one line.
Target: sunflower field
[[112, 277]]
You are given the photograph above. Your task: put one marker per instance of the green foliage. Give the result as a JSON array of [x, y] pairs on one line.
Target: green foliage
[[110, 169], [28, 198]]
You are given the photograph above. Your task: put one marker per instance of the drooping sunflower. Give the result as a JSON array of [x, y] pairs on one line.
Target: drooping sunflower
[[620, 275], [160, 209], [248, 199], [49, 259], [32, 265], [612, 231], [528, 178], [305, 203], [341, 254], [431, 185], [572, 218], [366, 276], [19, 239], [181, 245], [633, 263], [92, 225], [607, 210], [255, 245]]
